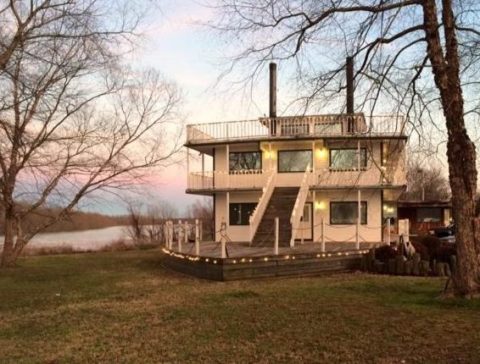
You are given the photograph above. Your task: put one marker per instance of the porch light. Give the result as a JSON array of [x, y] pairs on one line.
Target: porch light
[[321, 153], [269, 154], [320, 205]]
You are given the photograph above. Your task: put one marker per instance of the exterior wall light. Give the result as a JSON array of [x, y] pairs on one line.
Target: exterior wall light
[[320, 205], [321, 153]]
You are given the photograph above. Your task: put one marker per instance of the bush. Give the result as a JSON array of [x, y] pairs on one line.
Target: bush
[[385, 252], [421, 249], [432, 243], [445, 252]]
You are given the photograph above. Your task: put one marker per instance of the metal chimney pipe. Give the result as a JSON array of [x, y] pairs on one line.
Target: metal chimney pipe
[[273, 90], [350, 85]]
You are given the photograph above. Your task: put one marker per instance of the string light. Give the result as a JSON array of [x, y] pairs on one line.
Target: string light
[[195, 258]]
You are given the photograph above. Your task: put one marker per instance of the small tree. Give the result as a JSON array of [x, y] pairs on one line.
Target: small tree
[[202, 209], [426, 183]]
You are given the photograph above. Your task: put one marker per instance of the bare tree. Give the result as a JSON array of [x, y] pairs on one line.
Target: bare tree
[[73, 120], [426, 182], [414, 57], [202, 209]]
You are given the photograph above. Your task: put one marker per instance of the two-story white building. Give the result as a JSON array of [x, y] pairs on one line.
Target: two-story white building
[[326, 177]]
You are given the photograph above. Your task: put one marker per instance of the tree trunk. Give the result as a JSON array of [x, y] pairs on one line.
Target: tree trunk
[[460, 149], [8, 254]]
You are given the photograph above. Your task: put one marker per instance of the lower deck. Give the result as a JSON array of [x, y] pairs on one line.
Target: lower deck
[[246, 262]]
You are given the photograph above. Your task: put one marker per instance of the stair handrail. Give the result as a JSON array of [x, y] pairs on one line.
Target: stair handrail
[[297, 211], [257, 214]]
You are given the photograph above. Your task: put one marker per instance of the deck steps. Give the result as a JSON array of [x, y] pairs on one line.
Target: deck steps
[[280, 205]]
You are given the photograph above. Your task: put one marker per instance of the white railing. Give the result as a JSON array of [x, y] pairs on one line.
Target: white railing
[[297, 212], [258, 179], [257, 214], [223, 179], [295, 126]]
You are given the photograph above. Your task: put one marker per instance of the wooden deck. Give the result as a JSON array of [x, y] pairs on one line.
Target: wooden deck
[[245, 262]]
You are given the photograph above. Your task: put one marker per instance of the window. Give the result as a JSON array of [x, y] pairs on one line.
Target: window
[[345, 213], [347, 158], [294, 160], [239, 161], [429, 214], [306, 212], [240, 213]]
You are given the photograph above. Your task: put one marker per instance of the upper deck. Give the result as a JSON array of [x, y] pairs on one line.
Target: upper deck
[[298, 127]]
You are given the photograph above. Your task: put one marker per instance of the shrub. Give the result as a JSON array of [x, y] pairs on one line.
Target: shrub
[[432, 243], [421, 249], [385, 252], [445, 252]]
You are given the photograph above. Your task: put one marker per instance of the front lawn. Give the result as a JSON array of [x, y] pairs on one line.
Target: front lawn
[[124, 307]]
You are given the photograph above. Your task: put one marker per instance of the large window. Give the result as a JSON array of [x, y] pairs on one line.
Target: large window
[[294, 160], [346, 159], [429, 214], [240, 213], [345, 213], [240, 161]]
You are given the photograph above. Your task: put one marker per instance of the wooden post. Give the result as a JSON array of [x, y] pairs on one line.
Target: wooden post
[[322, 247], [179, 235], [277, 225], [197, 237]]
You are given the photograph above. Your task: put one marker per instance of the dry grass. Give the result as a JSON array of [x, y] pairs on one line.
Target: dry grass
[[124, 307]]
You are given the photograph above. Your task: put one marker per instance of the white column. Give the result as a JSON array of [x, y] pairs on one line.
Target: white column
[[359, 214], [277, 224], [197, 237], [227, 169], [322, 247], [313, 157], [314, 199], [203, 170], [179, 235], [227, 212]]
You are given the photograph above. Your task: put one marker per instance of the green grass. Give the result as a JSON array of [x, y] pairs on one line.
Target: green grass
[[124, 307]]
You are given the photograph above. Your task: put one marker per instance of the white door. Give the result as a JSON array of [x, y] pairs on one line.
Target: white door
[[306, 224]]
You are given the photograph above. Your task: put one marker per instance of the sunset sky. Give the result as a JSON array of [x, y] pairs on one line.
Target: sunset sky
[[177, 43]]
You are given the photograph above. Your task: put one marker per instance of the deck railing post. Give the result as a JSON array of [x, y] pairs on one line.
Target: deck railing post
[[186, 229], [197, 237], [277, 226], [322, 247], [179, 235]]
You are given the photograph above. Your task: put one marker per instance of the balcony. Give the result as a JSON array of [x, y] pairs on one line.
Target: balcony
[[319, 179], [317, 126]]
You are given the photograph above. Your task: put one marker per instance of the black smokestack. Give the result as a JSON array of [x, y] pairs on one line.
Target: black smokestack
[[273, 90], [350, 85]]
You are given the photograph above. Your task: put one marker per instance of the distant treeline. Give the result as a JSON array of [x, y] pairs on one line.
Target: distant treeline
[[77, 220]]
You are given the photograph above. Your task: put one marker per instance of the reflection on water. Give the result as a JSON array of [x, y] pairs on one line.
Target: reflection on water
[[79, 240]]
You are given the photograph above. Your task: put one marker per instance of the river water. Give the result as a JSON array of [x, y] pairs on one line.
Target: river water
[[79, 240]]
